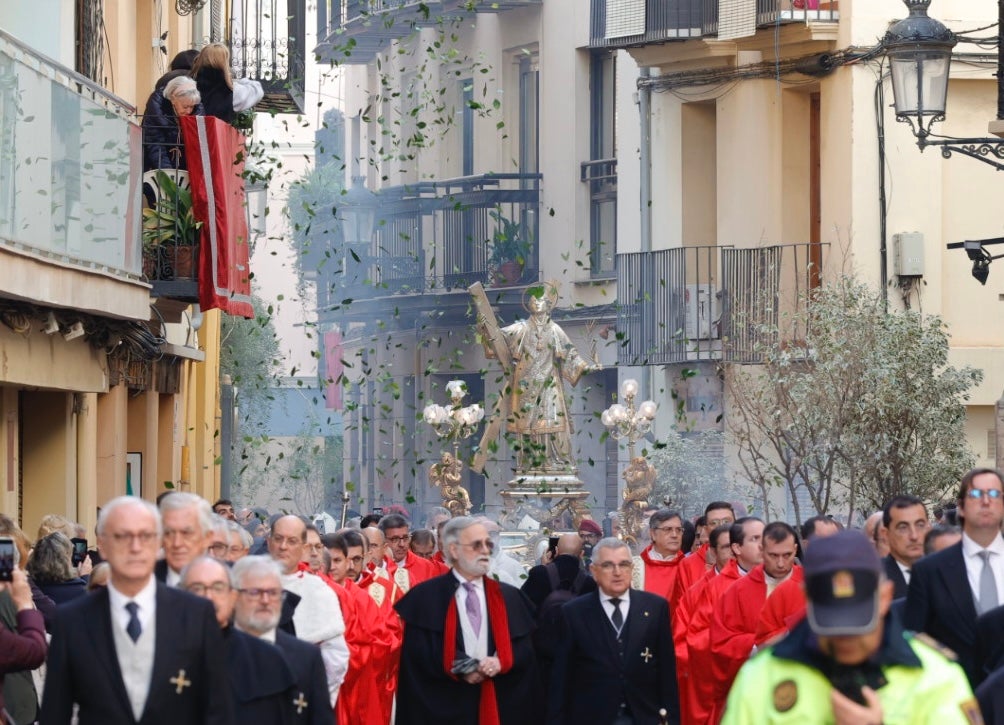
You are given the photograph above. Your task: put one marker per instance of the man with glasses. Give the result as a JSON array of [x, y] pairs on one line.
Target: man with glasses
[[135, 651], [188, 525], [257, 611], [318, 615], [655, 568], [261, 683], [467, 655], [696, 564], [905, 522], [615, 661], [219, 538], [403, 565], [949, 589]]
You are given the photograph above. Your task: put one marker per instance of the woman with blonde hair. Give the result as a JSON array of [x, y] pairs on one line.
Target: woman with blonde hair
[[222, 96]]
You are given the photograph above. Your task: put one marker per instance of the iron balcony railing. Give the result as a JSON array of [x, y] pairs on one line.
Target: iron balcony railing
[[354, 31], [625, 23], [69, 160], [268, 43], [440, 236], [709, 302]]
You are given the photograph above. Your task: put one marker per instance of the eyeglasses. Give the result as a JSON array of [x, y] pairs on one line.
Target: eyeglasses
[[715, 523], [398, 540], [287, 540], [143, 537], [256, 593], [609, 566], [486, 545], [218, 548], [200, 590], [993, 494], [669, 529]]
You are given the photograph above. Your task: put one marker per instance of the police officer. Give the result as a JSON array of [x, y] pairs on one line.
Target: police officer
[[850, 661]]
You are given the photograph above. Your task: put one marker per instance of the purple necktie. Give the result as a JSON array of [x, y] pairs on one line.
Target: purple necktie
[[473, 607]]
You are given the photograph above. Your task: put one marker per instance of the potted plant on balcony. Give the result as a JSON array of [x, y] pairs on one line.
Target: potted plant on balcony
[[508, 249], [170, 231]]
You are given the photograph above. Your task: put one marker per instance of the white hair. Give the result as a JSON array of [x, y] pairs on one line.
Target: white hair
[[182, 88], [120, 501], [183, 500]]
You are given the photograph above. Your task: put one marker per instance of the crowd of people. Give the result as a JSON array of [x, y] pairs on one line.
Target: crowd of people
[[192, 613]]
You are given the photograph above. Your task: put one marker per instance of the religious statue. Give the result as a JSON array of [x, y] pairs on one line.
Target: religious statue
[[538, 358], [639, 478], [447, 475]]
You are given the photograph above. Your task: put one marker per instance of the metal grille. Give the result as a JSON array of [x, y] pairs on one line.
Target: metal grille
[[625, 18], [751, 280], [736, 19]]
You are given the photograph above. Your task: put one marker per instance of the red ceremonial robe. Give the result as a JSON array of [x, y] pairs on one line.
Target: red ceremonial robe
[[690, 571], [362, 704], [417, 569], [691, 709], [385, 595], [783, 610], [699, 639], [733, 630], [660, 576]]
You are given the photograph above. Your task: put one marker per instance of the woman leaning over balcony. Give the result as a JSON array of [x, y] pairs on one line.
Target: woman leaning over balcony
[[163, 147], [222, 95]]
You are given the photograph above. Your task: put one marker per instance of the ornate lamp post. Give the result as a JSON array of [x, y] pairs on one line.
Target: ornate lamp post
[[625, 421], [454, 424]]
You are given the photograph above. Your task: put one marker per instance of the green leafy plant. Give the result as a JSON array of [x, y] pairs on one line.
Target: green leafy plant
[[171, 222], [510, 241]]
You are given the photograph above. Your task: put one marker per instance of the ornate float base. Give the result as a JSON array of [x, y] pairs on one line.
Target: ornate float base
[[556, 502]]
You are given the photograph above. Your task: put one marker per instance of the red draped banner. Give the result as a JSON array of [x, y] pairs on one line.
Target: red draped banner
[[215, 153]]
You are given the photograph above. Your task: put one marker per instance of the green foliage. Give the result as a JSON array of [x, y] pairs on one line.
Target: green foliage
[[859, 406], [249, 354], [171, 222], [691, 471], [510, 241]]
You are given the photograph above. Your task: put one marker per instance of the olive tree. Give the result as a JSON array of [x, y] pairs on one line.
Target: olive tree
[[861, 405]]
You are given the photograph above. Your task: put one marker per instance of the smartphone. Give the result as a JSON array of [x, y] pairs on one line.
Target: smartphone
[[79, 550], [378, 510], [552, 546], [6, 559]]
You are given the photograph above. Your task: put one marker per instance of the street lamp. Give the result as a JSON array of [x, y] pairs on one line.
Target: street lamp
[[624, 421], [357, 211], [919, 49]]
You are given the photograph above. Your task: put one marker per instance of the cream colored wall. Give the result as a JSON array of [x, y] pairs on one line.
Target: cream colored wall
[[48, 464]]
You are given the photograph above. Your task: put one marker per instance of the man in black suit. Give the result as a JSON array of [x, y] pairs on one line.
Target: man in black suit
[[188, 526], [905, 523], [615, 662], [257, 611], [136, 651], [950, 588], [467, 647], [567, 565]]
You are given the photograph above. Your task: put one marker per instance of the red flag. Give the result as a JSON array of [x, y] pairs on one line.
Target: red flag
[[215, 153], [333, 370]]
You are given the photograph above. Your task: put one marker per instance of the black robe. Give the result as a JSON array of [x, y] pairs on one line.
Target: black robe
[[262, 685], [426, 695]]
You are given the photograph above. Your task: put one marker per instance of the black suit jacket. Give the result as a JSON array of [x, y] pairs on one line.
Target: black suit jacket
[[305, 661], [939, 601], [426, 695], [261, 681], [989, 650], [538, 585], [83, 667], [590, 678], [894, 574]]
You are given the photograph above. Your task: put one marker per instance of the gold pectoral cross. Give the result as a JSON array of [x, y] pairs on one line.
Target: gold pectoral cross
[[180, 682], [647, 655]]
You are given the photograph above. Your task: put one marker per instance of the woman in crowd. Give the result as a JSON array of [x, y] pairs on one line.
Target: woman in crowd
[[222, 96], [163, 147], [51, 568]]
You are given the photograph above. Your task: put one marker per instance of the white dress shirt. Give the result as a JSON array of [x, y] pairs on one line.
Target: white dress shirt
[[906, 570], [475, 645], [974, 564], [625, 605]]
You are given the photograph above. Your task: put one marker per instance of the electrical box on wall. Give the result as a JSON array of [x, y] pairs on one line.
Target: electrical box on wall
[[908, 254]]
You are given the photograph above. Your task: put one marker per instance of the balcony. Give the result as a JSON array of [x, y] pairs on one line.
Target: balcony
[[70, 165], [708, 303], [355, 31], [268, 44], [440, 236], [633, 23]]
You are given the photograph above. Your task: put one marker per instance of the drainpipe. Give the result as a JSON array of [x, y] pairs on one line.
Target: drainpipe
[[645, 189]]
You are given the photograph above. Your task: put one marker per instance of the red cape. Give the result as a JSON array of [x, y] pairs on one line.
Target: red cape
[[691, 569], [699, 639], [660, 576], [691, 709], [783, 610]]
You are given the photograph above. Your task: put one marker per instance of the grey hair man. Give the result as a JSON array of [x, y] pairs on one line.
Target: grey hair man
[[188, 524]]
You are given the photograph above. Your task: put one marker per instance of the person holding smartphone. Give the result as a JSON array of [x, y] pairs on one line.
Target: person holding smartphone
[[25, 648]]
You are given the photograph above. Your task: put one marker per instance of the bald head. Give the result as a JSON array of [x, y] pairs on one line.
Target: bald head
[[570, 544]]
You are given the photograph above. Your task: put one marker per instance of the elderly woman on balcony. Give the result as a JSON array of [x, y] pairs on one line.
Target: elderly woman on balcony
[[163, 147]]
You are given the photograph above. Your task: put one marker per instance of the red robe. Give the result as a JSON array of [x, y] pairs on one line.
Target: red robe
[[691, 708], [660, 576], [417, 569], [690, 571], [699, 640], [733, 630], [385, 595], [783, 610], [361, 705]]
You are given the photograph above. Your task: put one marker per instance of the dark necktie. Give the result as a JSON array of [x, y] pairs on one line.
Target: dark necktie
[[133, 629], [617, 617]]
